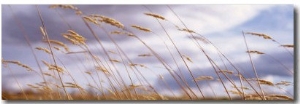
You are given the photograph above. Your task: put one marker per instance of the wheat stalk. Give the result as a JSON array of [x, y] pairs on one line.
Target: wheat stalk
[[74, 37], [53, 67], [280, 96], [226, 71], [144, 55], [204, 78], [285, 83], [155, 16], [260, 35], [59, 43], [288, 45], [257, 52], [17, 63], [91, 19], [108, 20], [78, 12], [43, 49], [141, 28], [187, 30]]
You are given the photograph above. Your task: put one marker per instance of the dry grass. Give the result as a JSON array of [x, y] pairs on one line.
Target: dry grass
[[106, 75], [17, 63]]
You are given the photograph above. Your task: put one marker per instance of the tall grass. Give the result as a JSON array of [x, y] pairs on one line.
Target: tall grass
[[105, 80]]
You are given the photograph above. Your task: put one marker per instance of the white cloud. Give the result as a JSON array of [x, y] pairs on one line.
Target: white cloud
[[214, 18]]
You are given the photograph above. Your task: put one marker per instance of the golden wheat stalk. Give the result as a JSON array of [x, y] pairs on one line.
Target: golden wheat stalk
[[43, 49], [114, 60], [89, 73], [129, 34], [77, 37], [120, 32], [253, 51], [288, 45], [116, 32], [53, 67], [111, 21], [280, 96], [155, 16], [285, 83], [59, 43], [204, 78], [74, 37], [72, 85], [265, 82], [144, 55], [261, 81], [226, 71], [187, 30], [132, 64], [17, 63], [102, 69], [56, 48], [78, 12], [90, 19], [73, 41], [188, 58], [260, 35], [141, 65], [141, 28]]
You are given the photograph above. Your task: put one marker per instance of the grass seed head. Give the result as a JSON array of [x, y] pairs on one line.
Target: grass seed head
[[155, 16], [260, 35], [53, 67], [201, 38], [204, 78], [111, 21], [280, 96], [265, 82], [187, 30], [114, 60], [74, 38], [59, 43], [288, 45], [226, 71], [141, 28], [43, 49], [144, 55], [17, 63], [257, 52], [188, 58], [77, 11], [285, 83], [91, 19]]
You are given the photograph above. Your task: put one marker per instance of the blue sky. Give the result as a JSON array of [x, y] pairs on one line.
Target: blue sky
[[221, 24]]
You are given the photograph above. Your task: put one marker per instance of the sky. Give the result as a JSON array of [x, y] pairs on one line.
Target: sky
[[221, 24]]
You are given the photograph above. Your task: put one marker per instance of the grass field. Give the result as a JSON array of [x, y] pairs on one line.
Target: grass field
[[109, 60]]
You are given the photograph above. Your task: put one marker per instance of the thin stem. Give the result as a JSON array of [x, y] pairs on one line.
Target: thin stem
[[52, 54], [29, 44], [254, 69]]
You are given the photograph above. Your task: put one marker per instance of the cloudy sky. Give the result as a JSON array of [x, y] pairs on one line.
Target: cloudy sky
[[221, 24]]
